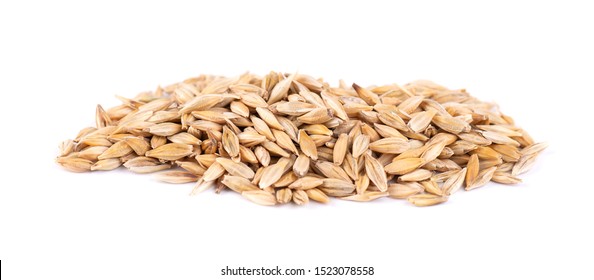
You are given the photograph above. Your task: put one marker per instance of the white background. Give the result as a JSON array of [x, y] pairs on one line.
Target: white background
[[59, 59]]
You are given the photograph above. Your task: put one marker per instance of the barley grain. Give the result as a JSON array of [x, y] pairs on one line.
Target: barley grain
[[290, 137]]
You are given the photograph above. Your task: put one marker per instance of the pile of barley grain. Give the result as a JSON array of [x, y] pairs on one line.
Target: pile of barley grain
[[282, 138]]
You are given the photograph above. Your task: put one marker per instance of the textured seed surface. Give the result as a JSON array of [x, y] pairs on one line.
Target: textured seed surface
[[290, 137]]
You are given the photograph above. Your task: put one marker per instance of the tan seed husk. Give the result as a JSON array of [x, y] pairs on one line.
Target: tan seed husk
[[300, 197], [337, 187], [301, 166], [260, 197], [92, 153], [275, 149], [230, 142], [360, 145], [483, 178], [312, 98], [320, 140], [239, 108], [335, 105], [173, 151], [376, 173], [307, 145], [391, 118], [262, 155], [176, 177], [392, 145], [238, 184], [430, 186], [351, 166], [192, 167], [454, 183], [213, 172], [320, 129], [262, 128], [340, 149], [316, 116], [500, 138], [403, 166], [67, 147], [508, 153], [472, 169], [362, 183], [317, 195], [140, 161], [206, 160], [149, 168], [426, 199], [404, 190], [271, 174], [106, 164], [295, 108], [365, 94], [164, 129], [75, 164], [253, 100], [475, 138], [450, 124], [284, 196], [432, 151], [247, 155], [332, 171], [534, 148], [202, 186], [410, 104], [365, 197], [119, 149], [201, 102], [284, 141], [416, 176], [505, 178], [306, 183], [290, 128], [285, 180], [388, 131], [281, 89], [102, 119], [269, 118], [140, 145], [236, 168], [421, 120], [524, 164]]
